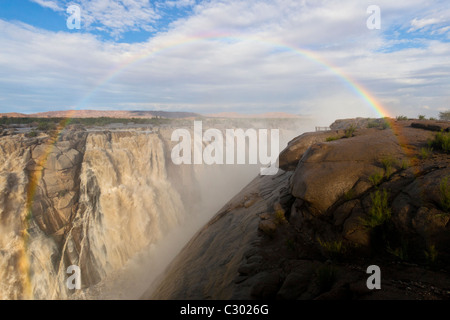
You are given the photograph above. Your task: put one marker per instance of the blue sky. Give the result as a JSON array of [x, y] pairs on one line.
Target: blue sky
[[52, 15], [224, 55]]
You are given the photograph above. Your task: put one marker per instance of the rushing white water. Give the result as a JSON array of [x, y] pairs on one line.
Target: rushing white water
[[126, 203]]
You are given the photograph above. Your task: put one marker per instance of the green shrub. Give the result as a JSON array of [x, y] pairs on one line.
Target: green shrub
[[401, 118], [441, 141], [400, 252], [280, 217], [388, 164], [384, 124], [421, 117], [349, 195], [332, 249], [329, 139], [348, 133], [373, 124], [46, 126], [376, 178], [31, 134], [405, 164], [379, 212], [425, 153], [444, 189], [431, 254]]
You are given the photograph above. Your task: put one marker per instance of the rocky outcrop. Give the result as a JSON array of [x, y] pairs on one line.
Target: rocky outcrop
[[290, 156], [55, 167], [371, 197], [90, 199], [435, 126], [329, 170]]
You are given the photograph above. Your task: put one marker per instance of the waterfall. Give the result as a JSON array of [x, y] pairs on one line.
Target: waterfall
[[120, 202]]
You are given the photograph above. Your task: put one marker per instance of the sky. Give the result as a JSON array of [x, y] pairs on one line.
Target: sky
[[297, 56]]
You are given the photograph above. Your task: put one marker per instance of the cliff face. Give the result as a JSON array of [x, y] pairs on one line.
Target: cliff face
[[88, 199], [364, 193]]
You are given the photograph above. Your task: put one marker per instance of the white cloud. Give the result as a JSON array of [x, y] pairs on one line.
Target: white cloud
[[443, 30], [235, 55], [117, 17], [179, 3], [417, 24], [112, 16], [434, 19], [51, 4]]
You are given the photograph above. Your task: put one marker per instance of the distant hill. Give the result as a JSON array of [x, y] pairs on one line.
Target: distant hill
[[125, 114], [101, 113], [13, 115]]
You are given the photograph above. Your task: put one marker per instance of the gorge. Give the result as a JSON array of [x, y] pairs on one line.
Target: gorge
[[110, 201]]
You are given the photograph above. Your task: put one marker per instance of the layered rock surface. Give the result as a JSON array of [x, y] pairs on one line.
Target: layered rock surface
[[371, 197], [90, 199]]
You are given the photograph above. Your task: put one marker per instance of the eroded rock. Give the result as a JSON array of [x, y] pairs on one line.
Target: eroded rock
[[327, 171]]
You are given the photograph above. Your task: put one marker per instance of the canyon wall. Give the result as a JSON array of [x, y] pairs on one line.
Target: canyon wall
[[90, 199]]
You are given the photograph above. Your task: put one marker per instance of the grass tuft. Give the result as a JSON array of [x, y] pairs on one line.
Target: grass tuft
[[379, 212], [400, 252], [431, 254], [405, 164], [444, 189], [376, 178], [332, 249], [426, 153], [388, 164], [333, 138]]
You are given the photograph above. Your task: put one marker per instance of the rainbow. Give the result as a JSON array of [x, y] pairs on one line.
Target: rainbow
[[358, 89], [34, 178]]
